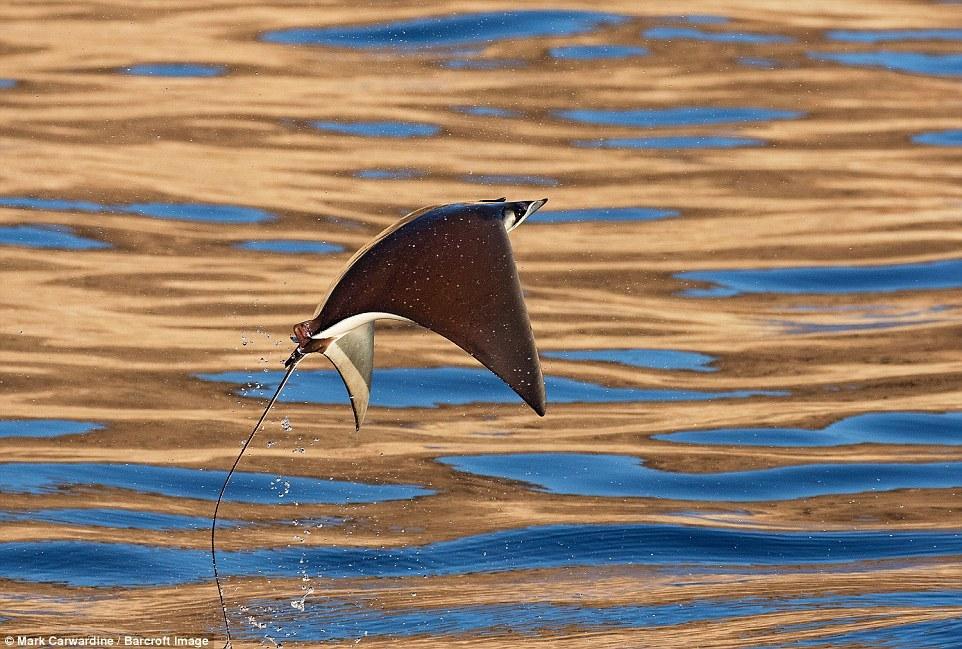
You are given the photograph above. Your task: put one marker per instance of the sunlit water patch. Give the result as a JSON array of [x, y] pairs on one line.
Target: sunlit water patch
[[676, 142], [202, 212], [292, 246], [329, 620], [46, 427], [938, 65], [416, 387], [179, 482], [596, 52], [375, 128], [603, 214], [827, 280], [694, 34], [388, 174], [175, 70], [894, 35], [87, 563], [115, 518], [448, 31], [511, 179], [57, 237], [659, 359], [943, 429], [678, 116], [624, 476], [951, 138]]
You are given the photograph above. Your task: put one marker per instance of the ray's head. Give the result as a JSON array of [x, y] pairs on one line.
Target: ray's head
[[513, 213]]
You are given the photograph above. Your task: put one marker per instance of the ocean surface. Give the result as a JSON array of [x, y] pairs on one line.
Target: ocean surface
[[745, 287]]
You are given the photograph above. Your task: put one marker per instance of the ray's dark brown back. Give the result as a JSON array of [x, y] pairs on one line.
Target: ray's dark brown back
[[451, 270]]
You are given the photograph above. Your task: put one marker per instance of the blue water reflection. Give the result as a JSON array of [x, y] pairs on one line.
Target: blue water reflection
[[417, 387], [483, 64], [758, 62], [376, 128], [951, 138], [487, 111], [827, 280], [698, 19], [179, 482], [449, 30], [693, 34], [510, 179], [894, 35], [596, 52], [925, 634], [672, 142], [292, 246], [792, 327], [939, 65], [46, 427], [46, 236], [328, 620], [202, 212], [130, 519], [603, 214], [625, 476], [943, 429], [677, 116], [388, 174], [6, 84], [87, 563], [175, 70], [659, 359]]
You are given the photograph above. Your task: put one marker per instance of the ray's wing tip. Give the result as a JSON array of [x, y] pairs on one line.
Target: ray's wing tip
[[359, 414], [539, 406], [537, 399]]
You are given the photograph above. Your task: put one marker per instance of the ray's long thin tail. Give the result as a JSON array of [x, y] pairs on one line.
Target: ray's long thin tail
[[290, 364]]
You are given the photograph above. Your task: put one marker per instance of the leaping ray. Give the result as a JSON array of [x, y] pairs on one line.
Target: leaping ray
[[448, 268]]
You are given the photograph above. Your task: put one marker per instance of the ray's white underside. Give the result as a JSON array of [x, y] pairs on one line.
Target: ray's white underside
[[347, 324]]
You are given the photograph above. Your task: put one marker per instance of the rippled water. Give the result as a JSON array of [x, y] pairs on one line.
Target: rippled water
[[432, 387], [45, 427], [871, 428], [745, 287], [830, 279], [175, 70], [292, 246], [691, 33], [204, 212], [46, 236]]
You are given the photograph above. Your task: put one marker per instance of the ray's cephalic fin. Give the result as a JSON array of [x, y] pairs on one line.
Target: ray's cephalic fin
[[353, 356]]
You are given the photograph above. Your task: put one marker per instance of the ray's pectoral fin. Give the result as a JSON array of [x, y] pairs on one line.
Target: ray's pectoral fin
[[474, 299], [353, 357], [450, 270]]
